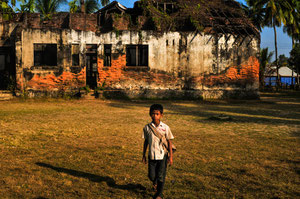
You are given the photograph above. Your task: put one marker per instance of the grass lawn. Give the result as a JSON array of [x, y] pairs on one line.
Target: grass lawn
[[93, 148]]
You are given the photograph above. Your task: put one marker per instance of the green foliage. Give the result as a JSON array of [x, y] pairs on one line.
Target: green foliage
[[294, 60], [282, 60], [91, 6], [74, 6], [196, 24], [6, 10], [102, 87], [292, 27], [104, 2], [264, 62], [274, 13], [27, 6], [117, 32], [12, 84], [48, 7], [254, 15], [86, 89]]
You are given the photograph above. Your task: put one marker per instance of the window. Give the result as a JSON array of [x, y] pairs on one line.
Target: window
[[2, 62], [169, 8], [107, 55], [137, 55], [75, 54], [45, 54]]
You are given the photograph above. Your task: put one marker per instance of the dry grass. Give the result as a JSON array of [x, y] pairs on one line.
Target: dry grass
[[92, 149]]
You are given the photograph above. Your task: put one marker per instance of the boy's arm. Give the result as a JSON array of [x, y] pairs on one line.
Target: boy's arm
[[170, 152], [144, 151]]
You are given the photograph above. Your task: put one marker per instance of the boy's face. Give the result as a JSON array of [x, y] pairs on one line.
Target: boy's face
[[156, 115]]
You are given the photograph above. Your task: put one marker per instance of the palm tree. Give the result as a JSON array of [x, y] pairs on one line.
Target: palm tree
[[88, 6], [294, 60], [254, 15], [292, 28], [48, 7], [91, 6], [27, 6], [264, 59], [275, 13]]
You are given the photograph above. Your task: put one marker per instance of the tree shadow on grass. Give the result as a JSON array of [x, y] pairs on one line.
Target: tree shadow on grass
[[136, 188]]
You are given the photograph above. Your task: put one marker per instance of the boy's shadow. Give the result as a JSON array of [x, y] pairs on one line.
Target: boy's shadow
[[138, 188]]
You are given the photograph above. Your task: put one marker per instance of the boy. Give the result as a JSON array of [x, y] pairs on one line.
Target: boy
[[158, 155]]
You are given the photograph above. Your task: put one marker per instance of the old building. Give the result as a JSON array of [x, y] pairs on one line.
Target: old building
[[158, 49]]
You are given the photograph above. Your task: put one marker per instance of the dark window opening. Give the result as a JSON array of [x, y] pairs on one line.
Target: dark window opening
[[75, 55], [45, 54], [107, 55], [169, 8], [91, 48], [137, 55], [2, 62], [167, 42]]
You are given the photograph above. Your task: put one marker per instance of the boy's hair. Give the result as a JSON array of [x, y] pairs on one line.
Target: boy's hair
[[157, 107]]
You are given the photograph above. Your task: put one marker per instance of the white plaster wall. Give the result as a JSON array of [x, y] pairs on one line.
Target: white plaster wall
[[31, 37], [198, 58]]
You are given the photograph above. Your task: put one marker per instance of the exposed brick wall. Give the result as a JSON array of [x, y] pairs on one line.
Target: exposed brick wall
[[246, 73], [66, 81], [60, 21], [121, 22], [81, 21], [113, 73], [32, 20], [237, 76]]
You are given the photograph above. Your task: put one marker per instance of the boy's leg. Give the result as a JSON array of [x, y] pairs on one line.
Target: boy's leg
[[161, 175], [152, 164]]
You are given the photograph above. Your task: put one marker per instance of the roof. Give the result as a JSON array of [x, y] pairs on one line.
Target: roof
[[216, 16], [113, 6], [284, 71]]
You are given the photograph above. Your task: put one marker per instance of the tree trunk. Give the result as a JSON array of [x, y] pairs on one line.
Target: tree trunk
[[293, 43], [297, 76], [82, 7], [276, 58]]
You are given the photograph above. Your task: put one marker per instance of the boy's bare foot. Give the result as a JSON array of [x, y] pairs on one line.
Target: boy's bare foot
[[158, 197]]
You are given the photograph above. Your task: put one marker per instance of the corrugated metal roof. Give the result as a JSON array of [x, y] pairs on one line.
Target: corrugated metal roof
[[285, 71]]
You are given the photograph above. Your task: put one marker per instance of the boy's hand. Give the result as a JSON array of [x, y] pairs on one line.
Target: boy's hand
[[170, 160], [144, 160]]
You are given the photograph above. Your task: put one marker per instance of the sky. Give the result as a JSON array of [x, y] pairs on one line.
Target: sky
[[284, 42]]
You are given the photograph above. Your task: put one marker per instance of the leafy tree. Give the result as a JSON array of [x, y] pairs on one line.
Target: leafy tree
[[6, 9], [27, 6], [292, 28], [294, 60], [274, 13], [282, 60], [254, 14], [48, 7], [90, 6], [265, 60], [74, 7], [104, 2]]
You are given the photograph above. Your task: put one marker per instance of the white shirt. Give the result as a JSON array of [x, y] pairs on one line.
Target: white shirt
[[156, 151]]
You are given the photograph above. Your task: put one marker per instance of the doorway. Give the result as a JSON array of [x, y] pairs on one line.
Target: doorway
[[91, 65], [7, 68]]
